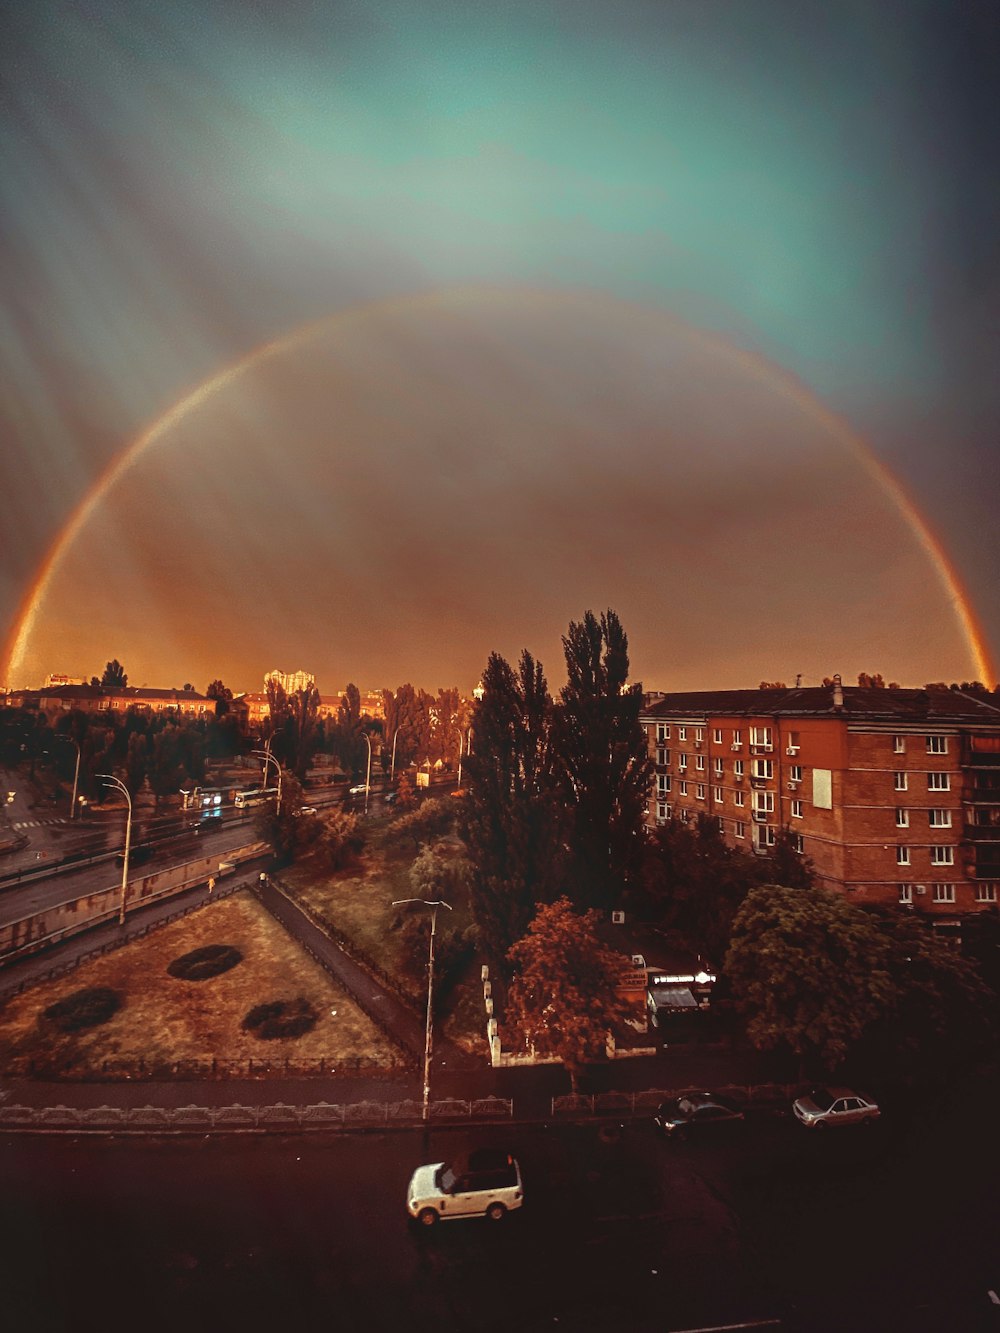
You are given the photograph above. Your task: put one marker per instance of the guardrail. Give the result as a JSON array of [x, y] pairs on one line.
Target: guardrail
[[236, 1118], [632, 1103]]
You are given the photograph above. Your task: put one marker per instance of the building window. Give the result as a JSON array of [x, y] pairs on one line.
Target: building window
[[720, 823], [662, 731], [899, 781], [906, 893], [683, 787], [682, 761], [902, 856], [716, 735], [899, 747], [763, 802], [682, 733], [662, 783], [684, 815], [738, 798], [717, 795], [719, 767], [699, 735], [942, 856], [761, 736], [939, 818], [944, 893], [902, 817], [661, 813], [737, 768], [740, 829], [762, 768], [792, 745], [798, 844], [764, 836], [668, 811], [661, 757], [737, 740], [986, 893], [699, 762], [939, 782], [699, 791], [937, 744], [796, 809], [795, 773]]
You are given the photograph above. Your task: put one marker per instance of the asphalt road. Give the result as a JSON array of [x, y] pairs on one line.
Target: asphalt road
[[889, 1228]]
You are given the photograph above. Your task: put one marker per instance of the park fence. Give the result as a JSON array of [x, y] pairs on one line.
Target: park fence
[[574, 1106], [277, 1117]]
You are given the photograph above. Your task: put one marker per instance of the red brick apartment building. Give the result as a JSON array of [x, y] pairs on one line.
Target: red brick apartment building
[[893, 794]]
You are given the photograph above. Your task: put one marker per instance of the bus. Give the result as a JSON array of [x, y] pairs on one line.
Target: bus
[[257, 796], [207, 799]]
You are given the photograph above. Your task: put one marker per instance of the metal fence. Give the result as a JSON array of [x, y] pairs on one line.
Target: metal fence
[[276, 1117], [575, 1105]]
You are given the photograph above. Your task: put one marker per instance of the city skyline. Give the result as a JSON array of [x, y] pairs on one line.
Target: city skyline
[[398, 354]]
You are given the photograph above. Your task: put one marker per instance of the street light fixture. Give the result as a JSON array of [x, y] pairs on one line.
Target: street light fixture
[[117, 782], [433, 905], [368, 775], [269, 758], [392, 766]]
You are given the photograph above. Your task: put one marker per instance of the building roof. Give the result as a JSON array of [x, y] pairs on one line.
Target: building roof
[[936, 705]]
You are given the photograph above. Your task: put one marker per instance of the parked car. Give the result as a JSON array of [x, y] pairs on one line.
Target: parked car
[[306, 810], [679, 1116], [358, 790], [487, 1185], [834, 1106], [391, 797]]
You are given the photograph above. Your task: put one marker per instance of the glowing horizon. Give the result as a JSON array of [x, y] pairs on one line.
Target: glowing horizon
[[774, 378]]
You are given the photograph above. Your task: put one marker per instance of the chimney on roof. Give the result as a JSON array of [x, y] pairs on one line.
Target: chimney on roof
[[838, 692], [798, 680]]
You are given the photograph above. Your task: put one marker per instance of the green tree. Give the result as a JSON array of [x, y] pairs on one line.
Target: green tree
[[341, 840], [437, 872], [402, 727], [811, 973], [135, 764], [222, 695], [304, 707], [114, 675], [510, 816], [432, 818], [601, 760], [564, 997]]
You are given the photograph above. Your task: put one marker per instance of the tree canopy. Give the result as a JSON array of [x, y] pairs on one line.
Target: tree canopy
[[114, 675], [564, 997]]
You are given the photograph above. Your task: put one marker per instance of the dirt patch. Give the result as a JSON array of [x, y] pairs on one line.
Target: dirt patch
[[163, 1019]]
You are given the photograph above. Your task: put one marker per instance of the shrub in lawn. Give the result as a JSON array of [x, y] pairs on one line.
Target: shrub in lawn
[[209, 961], [281, 1018], [84, 1009]]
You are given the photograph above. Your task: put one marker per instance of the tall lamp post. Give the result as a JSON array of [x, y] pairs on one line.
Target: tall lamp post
[[392, 766], [433, 905], [368, 775], [76, 774], [467, 740], [269, 758], [117, 782]]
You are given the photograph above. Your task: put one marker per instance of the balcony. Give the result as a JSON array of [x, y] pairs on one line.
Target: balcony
[[761, 747], [760, 816], [972, 758], [981, 794], [981, 833], [758, 783]]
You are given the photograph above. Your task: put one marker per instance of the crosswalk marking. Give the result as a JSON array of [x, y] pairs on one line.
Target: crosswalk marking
[[37, 823]]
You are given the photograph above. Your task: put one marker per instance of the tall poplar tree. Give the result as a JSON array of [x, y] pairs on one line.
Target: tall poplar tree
[[601, 761], [511, 821]]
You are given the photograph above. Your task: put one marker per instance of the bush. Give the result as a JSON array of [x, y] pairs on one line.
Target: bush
[[209, 961], [281, 1018], [84, 1009]]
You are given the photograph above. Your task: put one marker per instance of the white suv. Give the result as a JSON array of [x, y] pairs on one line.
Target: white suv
[[488, 1184]]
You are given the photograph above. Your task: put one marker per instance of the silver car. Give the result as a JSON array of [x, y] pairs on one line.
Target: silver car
[[834, 1106], [488, 1185]]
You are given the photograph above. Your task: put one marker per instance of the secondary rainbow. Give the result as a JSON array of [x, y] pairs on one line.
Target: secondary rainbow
[[766, 372]]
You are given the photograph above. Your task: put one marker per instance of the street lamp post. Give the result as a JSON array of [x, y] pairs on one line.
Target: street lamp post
[[76, 773], [467, 741], [117, 782], [368, 775], [433, 905], [269, 758], [392, 766]]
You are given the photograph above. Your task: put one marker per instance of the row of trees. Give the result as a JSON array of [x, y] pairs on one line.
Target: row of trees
[[556, 788]]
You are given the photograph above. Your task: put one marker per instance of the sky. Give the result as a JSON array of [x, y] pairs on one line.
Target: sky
[[458, 321]]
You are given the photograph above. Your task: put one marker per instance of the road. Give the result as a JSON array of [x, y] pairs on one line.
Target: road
[[859, 1230]]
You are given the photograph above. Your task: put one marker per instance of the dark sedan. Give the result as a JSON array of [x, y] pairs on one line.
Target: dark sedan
[[679, 1116]]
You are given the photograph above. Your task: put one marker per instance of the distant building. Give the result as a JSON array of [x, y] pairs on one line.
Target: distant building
[[54, 678], [894, 795], [56, 699], [292, 681]]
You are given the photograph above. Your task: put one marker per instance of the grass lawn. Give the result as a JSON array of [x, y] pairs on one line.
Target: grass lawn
[[163, 1019], [359, 900]]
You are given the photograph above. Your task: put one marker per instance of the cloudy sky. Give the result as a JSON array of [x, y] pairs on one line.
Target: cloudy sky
[[605, 304]]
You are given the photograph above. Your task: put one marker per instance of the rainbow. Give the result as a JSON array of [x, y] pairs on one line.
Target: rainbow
[[771, 376]]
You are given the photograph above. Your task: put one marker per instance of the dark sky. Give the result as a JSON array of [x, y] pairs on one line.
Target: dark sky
[[605, 244]]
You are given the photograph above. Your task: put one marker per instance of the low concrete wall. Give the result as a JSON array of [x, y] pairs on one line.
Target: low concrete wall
[[49, 925]]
